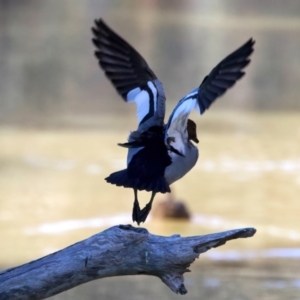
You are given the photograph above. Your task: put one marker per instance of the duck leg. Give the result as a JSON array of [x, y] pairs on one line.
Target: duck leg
[[136, 208], [145, 211]]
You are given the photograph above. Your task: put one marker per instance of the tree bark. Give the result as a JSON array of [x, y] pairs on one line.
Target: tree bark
[[119, 250]]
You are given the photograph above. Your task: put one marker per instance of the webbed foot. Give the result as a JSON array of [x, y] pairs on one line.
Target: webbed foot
[[136, 211]]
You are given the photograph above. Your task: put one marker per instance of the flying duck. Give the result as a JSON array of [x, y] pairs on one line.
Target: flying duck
[[159, 153]]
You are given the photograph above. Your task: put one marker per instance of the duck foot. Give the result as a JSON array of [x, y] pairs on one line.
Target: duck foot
[[136, 211], [139, 215], [144, 213]]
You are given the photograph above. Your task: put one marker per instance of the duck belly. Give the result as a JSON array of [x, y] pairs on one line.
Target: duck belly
[[181, 165]]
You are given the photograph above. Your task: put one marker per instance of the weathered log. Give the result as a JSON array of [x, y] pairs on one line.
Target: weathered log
[[119, 250]]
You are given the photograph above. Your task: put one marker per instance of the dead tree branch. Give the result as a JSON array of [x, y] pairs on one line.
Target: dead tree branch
[[119, 250]]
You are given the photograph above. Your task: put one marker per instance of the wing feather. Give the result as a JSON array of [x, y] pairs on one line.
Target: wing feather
[[130, 74], [224, 75], [214, 85]]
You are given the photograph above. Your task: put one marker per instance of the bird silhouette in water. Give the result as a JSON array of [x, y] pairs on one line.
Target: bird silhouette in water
[[158, 153]]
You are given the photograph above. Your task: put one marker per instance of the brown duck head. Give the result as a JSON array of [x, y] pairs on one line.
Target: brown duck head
[[192, 131]]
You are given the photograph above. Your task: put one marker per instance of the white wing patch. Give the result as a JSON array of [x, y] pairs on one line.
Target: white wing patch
[[132, 94], [145, 100], [142, 104], [176, 129], [185, 106], [154, 92]]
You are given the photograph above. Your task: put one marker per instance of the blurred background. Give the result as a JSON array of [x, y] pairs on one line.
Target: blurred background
[[61, 120]]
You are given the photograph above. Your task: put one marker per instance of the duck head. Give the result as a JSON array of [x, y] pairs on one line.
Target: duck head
[[192, 131]]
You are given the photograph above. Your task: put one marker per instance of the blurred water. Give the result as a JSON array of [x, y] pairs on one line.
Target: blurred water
[[61, 120], [53, 194]]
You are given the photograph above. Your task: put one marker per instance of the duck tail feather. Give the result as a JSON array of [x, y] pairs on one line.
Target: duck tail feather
[[120, 178], [160, 185]]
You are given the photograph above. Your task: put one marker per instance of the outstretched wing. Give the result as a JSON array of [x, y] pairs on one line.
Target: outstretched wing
[[130, 74], [214, 85]]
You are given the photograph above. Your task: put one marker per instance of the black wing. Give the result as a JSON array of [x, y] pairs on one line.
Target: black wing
[[224, 75], [129, 73]]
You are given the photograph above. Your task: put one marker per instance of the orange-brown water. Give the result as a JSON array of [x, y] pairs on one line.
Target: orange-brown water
[[247, 175], [53, 191]]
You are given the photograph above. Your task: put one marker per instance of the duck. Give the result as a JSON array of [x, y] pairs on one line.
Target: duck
[[159, 153], [171, 208]]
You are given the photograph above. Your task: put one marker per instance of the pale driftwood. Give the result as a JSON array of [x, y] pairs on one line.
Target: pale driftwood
[[119, 250]]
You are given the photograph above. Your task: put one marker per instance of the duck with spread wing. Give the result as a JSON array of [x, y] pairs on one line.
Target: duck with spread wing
[[158, 153]]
